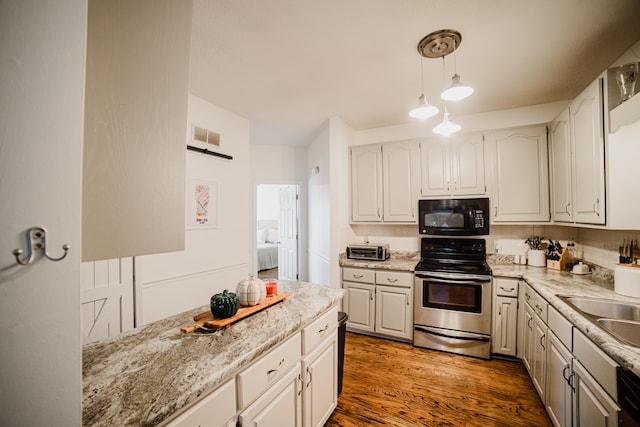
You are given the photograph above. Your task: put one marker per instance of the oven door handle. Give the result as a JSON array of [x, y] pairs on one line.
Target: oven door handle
[[464, 337], [457, 282], [456, 279]]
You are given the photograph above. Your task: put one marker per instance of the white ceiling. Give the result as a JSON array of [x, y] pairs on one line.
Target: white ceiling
[[289, 65]]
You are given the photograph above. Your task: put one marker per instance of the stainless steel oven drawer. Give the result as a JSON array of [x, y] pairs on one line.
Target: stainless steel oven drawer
[[465, 343]]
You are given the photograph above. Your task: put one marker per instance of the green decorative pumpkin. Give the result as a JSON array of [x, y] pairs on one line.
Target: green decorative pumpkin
[[225, 304]]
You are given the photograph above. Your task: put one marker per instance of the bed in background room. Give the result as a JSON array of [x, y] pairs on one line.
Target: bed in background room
[[267, 244]]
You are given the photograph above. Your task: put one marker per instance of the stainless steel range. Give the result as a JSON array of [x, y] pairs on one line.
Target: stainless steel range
[[452, 297]]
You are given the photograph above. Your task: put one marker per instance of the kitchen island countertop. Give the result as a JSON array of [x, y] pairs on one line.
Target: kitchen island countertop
[[551, 283], [144, 377]]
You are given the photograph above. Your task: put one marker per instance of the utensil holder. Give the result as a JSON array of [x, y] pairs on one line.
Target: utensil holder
[[536, 258]]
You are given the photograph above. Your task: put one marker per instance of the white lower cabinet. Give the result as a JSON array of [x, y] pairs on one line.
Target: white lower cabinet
[[293, 385], [215, 410], [379, 302], [280, 406], [505, 316], [320, 390], [575, 379]]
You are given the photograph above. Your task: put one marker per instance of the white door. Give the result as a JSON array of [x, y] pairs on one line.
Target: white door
[[288, 233], [42, 57], [107, 298]]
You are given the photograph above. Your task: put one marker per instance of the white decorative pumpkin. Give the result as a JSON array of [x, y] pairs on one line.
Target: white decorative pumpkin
[[251, 292]]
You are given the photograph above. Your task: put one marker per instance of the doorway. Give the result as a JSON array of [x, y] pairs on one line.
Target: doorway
[[277, 231]]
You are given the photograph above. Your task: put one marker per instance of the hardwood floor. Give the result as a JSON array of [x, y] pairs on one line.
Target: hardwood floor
[[391, 383]]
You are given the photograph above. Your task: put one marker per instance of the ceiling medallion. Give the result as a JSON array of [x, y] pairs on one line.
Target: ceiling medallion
[[439, 43]]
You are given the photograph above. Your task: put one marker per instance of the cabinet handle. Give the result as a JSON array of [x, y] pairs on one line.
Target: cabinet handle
[[321, 331], [564, 374], [495, 210], [378, 212], [299, 384], [391, 280], [358, 276], [448, 186], [507, 289], [371, 295], [529, 322], [271, 371], [413, 212], [528, 297], [500, 310], [407, 299], [542, 341], [455, 185], [567, 208], [596, 206], [309, 376]]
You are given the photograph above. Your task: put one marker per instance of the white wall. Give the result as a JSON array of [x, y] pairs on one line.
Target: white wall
[[42, 60], [213, 259], [282, 164], [319, 208]]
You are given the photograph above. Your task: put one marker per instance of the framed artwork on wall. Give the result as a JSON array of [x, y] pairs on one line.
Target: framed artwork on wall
[[202, 204]]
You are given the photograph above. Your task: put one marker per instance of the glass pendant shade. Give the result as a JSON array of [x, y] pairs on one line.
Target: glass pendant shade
[[457, 90], [424, 110], [446, 127]]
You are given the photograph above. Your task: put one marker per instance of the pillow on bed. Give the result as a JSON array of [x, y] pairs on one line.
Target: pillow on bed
[[262, 235], [272, 235]]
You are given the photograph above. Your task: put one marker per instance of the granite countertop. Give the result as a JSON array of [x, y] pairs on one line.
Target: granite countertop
[[551, 283], [398, 260], [145, 376]]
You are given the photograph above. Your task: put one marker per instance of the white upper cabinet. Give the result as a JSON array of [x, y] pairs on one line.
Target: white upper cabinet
[[384, 182], [366, 183], [560, 141], [453, 166], [517, 162], [587, 139], [577, 159]]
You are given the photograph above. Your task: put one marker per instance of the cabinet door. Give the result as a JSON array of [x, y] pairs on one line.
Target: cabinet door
[[592, 405], [359, 304], [280, 405], [558, 403], [366, 183], [467, 164], [213, 411], [399, 165], [320, 390], [521, 188], [587, 133], [394, 313], [561, 208], [436, 175], [505, 325], [539, 367]]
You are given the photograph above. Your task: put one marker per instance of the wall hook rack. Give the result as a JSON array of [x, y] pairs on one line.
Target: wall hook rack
[[37, 242]]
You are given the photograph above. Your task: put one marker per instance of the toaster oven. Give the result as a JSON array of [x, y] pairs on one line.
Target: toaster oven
[[368, 252]]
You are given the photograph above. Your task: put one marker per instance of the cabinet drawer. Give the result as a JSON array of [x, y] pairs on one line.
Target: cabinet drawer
[[529, 295], [540, 307], [359, 275], [600, 366], [215, 409], [255, 379], [394, 278], [319, 329], [506, 287], [561, 327]]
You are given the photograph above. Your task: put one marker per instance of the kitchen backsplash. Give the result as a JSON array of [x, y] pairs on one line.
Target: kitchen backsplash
[[599, 247]]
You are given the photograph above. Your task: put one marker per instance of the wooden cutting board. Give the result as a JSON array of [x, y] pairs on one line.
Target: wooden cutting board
[[206, 319]]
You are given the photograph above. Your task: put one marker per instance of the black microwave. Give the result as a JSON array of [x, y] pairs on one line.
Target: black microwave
[[454, 217]]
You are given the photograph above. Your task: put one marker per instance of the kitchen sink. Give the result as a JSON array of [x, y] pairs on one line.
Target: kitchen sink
[[605, 308], [623, 329], [620, 319]]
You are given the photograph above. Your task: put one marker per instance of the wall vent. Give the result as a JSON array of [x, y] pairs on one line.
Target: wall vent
[[207, 136]]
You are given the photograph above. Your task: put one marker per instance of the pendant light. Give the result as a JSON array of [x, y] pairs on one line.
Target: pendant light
[[457, 90], [424, 110], [446, 127]]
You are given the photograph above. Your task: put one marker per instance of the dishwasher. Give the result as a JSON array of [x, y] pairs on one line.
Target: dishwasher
[[628, 398]]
